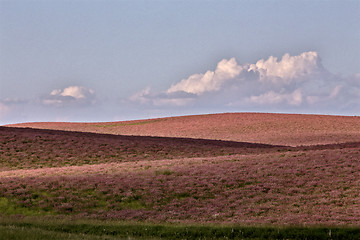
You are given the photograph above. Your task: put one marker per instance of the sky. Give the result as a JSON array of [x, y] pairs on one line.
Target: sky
[[121, 60]]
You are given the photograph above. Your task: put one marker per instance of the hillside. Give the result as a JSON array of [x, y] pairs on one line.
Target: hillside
[[25, 148], [275, 129], [47, 173]]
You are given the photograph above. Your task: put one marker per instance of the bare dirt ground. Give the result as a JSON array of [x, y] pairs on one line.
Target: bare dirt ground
[[275, 129]]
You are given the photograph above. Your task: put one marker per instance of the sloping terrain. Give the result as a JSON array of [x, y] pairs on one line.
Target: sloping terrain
[[99, 176], [275, 129], [22, 148], [302, 188]]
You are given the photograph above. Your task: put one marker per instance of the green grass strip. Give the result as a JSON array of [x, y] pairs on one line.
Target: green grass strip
[[130, 123]]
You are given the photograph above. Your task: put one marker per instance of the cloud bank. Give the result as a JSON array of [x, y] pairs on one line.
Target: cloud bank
[[292, 82], [72, 103], [72, 95], [298, 84]]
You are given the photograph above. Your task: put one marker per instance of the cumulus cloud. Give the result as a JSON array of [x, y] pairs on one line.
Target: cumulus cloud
[[285, 71], [288, 68], [298, 82], [210, 81], [72, 95]]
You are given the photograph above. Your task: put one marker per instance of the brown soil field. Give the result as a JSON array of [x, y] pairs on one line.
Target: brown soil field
[[276, 129]]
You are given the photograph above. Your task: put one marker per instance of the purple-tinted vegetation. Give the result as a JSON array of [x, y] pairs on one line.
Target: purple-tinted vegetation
[[35, 148], [294, 187]]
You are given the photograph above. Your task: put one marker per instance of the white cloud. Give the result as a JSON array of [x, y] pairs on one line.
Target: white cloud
[[271, 97], [55, 92], [210, 81], [76, 92], [291, 82], [72, 95], [285, 71], [288, 68], [142, 96]]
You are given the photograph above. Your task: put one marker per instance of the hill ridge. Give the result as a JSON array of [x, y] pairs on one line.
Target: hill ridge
[[265, 128]]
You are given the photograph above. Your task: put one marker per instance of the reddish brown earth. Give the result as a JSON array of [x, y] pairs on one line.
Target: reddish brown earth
[[279, 129], [166, 179], [26, 148]]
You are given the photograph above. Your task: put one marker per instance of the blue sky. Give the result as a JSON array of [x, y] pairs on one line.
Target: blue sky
[[116, 60]]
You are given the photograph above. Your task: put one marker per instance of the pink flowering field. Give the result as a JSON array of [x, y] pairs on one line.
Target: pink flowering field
[[82, 175]]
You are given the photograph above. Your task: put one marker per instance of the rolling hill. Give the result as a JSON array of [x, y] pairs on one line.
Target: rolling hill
[[291, 170], [267, 128]]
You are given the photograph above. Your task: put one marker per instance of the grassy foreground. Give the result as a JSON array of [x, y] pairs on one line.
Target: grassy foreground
[[62, 229]]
